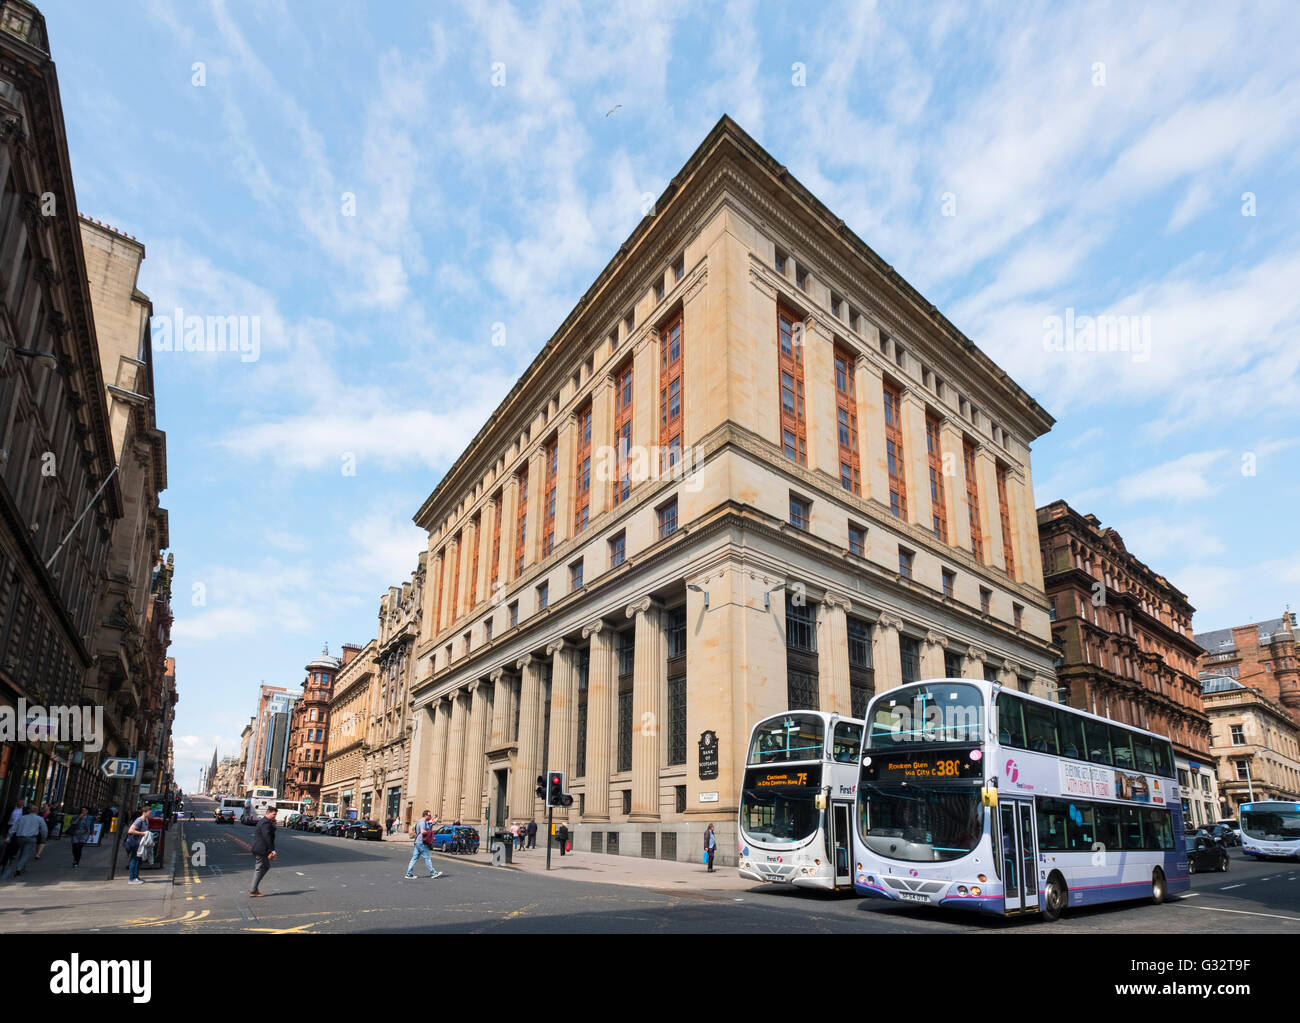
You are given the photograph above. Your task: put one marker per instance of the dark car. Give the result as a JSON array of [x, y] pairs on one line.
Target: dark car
[[1205, 852], [1226, 834], [302, 822], [371, 830], [337, 827], [450, 833]]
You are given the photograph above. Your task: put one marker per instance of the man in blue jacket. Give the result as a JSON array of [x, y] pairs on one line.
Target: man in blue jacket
[[263, 849]]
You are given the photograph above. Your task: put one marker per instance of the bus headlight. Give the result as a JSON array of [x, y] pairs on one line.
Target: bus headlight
[[976, 890], [961, 889], [982, 878]]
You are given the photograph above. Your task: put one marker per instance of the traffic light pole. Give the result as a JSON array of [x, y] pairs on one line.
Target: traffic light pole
[[550, 832]]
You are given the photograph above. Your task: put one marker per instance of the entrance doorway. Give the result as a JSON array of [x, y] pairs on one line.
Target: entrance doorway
[[1019, 856], [841, 839], [502, 777]]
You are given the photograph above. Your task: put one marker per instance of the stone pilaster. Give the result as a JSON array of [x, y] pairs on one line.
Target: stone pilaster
[[833, 655], [474, 762], [649, 680], [455, 759], [600, 705], [932, 650], [888, 659], [987, 474], [566, 483], [438, 762], [523, 778], [564, 707], [919, 504], [952, 457], [498, 736], [972, 664], [869, 384]]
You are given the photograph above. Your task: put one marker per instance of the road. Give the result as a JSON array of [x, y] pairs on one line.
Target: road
[[327, 885]]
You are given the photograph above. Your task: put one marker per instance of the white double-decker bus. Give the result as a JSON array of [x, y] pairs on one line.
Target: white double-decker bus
[[1270, 828], [256, 802], [796, 803], [978, 797]]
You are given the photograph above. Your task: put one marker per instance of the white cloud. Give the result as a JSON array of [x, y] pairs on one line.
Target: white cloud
[[1182, 479]]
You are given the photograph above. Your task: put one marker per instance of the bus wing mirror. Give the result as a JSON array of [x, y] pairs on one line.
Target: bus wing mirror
[[820, 802], [989, 796]]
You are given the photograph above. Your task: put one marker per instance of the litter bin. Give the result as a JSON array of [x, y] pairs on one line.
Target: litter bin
[[507, 843]]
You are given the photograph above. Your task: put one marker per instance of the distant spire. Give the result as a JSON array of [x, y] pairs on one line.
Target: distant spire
[[326, 650]]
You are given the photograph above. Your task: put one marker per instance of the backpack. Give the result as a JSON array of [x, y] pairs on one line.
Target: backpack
[[426, 836]]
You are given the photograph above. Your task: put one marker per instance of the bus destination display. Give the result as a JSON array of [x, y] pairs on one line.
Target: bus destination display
[[800, 777], [944, 766]]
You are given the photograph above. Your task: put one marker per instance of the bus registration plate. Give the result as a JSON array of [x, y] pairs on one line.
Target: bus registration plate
[[912, 897]]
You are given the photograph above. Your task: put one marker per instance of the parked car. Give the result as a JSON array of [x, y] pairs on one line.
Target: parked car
[[1231, 828], [1205, 852], [336, 827], [224, 815], [448, 833], [370, 830], [303, 823], [319, 824]]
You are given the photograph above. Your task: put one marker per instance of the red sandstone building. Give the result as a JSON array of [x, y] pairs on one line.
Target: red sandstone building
[[1127, 651], [1260, 656], [309, 728]]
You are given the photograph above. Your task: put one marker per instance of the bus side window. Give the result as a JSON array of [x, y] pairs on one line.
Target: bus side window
[[1108, 832], [1070, 728], [1130, 822], [1082, 828], [1098, 742], [1156, 829], [1011, 729], [1164, 760], [1142, 754], [1040, 723], [1121, 746], [1051, 825]]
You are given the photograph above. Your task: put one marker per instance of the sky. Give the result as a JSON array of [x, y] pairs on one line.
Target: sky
[[376, 186]]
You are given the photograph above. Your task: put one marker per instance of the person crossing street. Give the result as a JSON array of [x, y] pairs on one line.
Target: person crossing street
[[423, 846], [263, 850]]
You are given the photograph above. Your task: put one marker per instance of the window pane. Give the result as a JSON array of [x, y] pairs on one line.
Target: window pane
[[1011, 727], [1121, 747]]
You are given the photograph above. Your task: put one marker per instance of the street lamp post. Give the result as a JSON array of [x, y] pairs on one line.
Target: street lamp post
[[47, 359]]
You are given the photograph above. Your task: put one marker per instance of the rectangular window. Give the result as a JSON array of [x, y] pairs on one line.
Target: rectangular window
[[846, 415], [780, 261], [905, 559], [1243, 771], [512, 613], [800, 278], [625, 736], [543, 596], [476, 538], [1004, 513], [659, 290], [859, 645], [1051, 610], [986, 600], [951, 664], [626, 652], [677, 720], [800, 625], [909, 654], [801, 690], [575, 575], [1018, 615], [584, 674], [949, 581], [794, 430], [623, 432], [582, 472], [487, 630], [550, 485], [617, 550], [938, 509], [675, 631], [800, 513], [894, 451], [972, 500], [670, 387], [858, 540], [679, 268], [1238, 735], [668, 519], [521, 519]]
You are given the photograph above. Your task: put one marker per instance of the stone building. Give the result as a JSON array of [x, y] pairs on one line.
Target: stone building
[[346, 736], [1260, 656], [305, 768], [1126, 648], [1255, 742], [388, 740], [753, 470], [271, 700]]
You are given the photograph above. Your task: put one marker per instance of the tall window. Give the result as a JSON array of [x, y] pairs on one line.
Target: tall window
[[938, 511], [476, 531], [847, 422], [626, 658], [675, 631], [549, 485], [623, 432], [677, 716], [494, 568], [1004, 512], [794, 432], [582, 481], [453, 606], [521, 519], [862, 674], [909, 653], [894, 451], [584, 673], [800, 626], [972, 499], [670, 393], [437, 605], [668, 519]]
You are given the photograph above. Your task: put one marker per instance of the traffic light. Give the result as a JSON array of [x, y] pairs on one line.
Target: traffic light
[[541, 787], [555, 794]]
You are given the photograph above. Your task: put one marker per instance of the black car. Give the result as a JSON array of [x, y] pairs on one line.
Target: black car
[[1226, 834], [337, 827], [1205, 852], [371, 830], [302, 823]]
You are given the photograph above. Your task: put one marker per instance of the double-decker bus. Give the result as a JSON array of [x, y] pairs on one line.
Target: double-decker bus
[[1270, 828], [256, 801], [979, 797], [796, 804], [287, 810]]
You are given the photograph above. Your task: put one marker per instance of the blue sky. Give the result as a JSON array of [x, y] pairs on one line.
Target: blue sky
[[1012, 165]]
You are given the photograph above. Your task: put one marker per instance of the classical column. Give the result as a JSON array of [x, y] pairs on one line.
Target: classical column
[[500, 710], [972, 664], [915, 453], [833, 655], [1009, 676], [953, 460], [564, 706], [649, 679], [888, 659], [645, 407], [987, 473], [869, 387], [523, 779], [566, 483], [455, 759], [822, 417], [600, 701], [438, 762], [604, 450], [474, 763], [509, 522], [932, 649]]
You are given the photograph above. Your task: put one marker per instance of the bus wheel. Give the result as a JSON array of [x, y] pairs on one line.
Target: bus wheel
[[1053, 898], [1157, 887]]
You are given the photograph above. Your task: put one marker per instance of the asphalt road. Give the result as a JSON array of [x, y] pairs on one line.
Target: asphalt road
[[325, 885]]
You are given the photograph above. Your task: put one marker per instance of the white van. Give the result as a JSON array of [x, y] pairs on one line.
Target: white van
[[230, 810]]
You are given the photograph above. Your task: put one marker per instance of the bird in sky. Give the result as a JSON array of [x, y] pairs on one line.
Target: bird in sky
[[612, 109]]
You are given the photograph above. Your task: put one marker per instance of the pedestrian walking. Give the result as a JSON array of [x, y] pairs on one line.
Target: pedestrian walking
[[710, 847], [562, 834], [134, 836], [11, 843], [29, 834], [532, 834], [83, 826], [392, 823], [514, 835], [423, 845], [263, 850]]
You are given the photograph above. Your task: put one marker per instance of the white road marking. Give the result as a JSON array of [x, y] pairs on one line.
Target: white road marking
[[1242, 912]]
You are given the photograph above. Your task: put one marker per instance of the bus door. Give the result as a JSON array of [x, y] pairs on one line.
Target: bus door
[[842, 842], [1019, 855]]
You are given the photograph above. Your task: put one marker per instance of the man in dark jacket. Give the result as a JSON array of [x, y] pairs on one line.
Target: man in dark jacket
[[532, 834], [263, 849]]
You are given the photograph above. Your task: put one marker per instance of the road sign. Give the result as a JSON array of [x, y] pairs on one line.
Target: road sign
[[120, 767]]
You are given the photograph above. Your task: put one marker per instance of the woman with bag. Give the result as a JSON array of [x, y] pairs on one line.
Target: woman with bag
[[134, 836], [710, 847], [82, 828]]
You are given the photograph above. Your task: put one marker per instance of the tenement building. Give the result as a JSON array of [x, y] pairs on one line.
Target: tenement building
[[345, 735], [753, 470], [1255, 742], [1126, 649], [305, 762], [387, 751], [1261, 656]]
